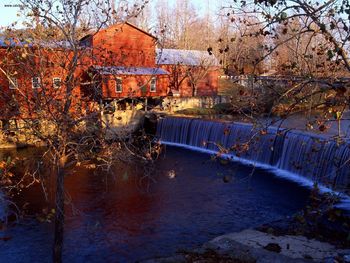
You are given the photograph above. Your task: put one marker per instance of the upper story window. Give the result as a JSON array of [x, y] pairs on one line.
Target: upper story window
[[56, 83], [35, 82], [13, 83], [153, 86], [118, 85]]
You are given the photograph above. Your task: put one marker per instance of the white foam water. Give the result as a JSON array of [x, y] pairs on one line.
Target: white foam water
[[300, 157]]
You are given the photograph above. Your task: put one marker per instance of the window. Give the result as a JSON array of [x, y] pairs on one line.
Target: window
[[13, 83], [118, 85], [153, 87], [35, 82], [56, 83]]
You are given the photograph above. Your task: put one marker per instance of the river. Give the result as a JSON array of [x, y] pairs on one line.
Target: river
[[112, 217]]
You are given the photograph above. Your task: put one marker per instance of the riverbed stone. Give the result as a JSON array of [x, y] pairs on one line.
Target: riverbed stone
[[248, 254], [252, 243], [253, 246], [172, 259]]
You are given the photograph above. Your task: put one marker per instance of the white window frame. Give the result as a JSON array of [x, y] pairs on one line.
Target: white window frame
[[118, 82], [153, 85], [13, 83], [38, 83], [53, 83]]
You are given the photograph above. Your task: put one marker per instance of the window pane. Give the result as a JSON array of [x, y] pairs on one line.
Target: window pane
[[153, 85], [35, 82], [118, 85], [56, 83], [13, 84]]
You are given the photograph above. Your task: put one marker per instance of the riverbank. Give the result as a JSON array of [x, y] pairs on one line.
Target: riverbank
[[252, 246], [318, 233]]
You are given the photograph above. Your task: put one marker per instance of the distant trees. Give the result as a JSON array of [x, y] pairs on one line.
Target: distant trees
[[302, 54], [180, 25], [307, 39], [306, 35], [238, 46]]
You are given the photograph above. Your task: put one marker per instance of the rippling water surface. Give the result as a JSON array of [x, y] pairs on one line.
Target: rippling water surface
[[115, 218]]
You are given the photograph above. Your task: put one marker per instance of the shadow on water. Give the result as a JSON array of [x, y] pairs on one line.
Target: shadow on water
[[114, 218]]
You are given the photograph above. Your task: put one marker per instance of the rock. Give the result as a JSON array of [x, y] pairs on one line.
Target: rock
[[90, 166], [252, 246], [248, 254], [274, 247], [5, 238], [173, 259], [171, 174], [307, 256], [226, 179], [290, 248], [232, 248], [346, 258]]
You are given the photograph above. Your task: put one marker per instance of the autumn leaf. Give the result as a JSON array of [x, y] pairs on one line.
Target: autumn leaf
[[263, 132]]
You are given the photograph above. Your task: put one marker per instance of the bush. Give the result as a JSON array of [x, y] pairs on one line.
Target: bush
[[223, 108], [196, 111]]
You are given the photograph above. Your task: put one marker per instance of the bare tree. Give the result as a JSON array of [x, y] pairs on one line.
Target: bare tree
[[45, 66], [275, 18], [309, 39], [238, 47]]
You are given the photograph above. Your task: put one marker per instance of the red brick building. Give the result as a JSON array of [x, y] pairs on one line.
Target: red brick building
[[191, 72], [119, 62], [123, 60]]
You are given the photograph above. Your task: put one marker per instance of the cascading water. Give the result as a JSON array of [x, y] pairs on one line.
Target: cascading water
[[310, 156]]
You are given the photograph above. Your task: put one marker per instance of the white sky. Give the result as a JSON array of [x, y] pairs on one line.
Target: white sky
[[9, 9], [8, 12]]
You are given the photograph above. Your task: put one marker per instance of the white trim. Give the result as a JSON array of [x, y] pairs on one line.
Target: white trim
[[53, 83], [33, 83], [153, 84], [118, 83]]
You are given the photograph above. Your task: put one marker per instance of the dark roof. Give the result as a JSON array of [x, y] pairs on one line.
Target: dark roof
[[113, 70], [185, 57], [13, 42]]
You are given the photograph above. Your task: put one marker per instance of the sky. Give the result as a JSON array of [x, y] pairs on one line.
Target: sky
[[9, 9], [8, 12]]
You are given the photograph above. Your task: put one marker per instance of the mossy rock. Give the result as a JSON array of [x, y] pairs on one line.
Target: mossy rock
[[197, 111]]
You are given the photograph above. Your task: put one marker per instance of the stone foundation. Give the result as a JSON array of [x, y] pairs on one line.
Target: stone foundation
[[121, 124], [172, 104]]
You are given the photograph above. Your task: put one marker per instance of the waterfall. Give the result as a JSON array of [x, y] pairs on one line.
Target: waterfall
[[293, 154]]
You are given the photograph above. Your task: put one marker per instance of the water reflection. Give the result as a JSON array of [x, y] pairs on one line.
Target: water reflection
[[114, 218]]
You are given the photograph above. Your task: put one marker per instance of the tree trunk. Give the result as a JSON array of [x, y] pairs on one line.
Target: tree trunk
[[59, 216], [194, 89]]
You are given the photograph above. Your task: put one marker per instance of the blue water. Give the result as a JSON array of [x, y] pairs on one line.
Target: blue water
[[117, 218], [302, 157]]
